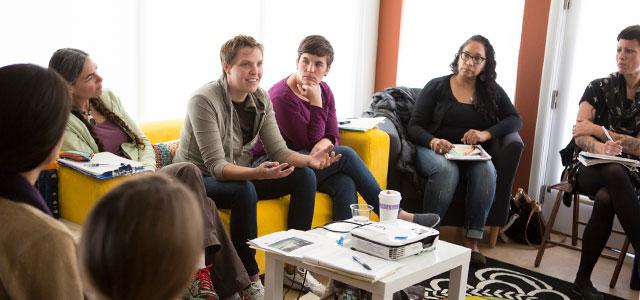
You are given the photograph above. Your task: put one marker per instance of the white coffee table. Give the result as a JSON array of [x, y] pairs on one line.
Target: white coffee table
[[417, 268]]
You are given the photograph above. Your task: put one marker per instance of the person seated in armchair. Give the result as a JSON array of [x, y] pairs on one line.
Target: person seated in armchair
[[126, 253], [466, 107], [33, 245], [608, 123], [305, 110], [224, 120], [99, 123]]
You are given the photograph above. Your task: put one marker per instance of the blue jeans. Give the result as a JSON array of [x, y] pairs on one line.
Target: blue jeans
[[443, 176], [343, 179], [242, 196]]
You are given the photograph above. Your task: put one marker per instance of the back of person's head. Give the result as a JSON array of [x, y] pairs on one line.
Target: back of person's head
[[630, 33], [35, 108], [142, 240], [230, 49], [68, 62], [318, 46]]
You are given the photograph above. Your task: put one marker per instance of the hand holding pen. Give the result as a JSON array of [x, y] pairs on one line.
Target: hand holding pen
[[611, 147]]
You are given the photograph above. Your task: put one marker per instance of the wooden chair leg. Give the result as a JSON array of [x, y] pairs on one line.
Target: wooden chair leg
[[616, 271], [576, 217], [549, 226], [493, 236]]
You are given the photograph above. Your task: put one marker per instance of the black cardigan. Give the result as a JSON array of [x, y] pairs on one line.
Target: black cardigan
[[436, 98]]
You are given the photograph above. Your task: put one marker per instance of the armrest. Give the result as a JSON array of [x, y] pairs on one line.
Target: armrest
[[373, 148], [162, 131], [505, 153]]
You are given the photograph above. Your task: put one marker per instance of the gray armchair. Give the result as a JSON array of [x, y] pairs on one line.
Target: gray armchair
[[505, 154]]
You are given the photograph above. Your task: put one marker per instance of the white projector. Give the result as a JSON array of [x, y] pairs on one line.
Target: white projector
[[394, 239]]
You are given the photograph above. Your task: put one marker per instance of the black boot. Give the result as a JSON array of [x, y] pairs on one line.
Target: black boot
[[585, 289]]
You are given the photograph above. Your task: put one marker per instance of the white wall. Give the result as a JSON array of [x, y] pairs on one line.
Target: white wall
[[154, 54]]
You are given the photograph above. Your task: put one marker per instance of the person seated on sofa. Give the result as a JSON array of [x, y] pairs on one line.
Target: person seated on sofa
[[224, 120], [126, 253], [466, 107], [33, 245], [608, 123], [306, 114], [99, 123]]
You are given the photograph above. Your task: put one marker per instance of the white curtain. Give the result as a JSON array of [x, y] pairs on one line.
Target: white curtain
[[154, 54], [432, 32]]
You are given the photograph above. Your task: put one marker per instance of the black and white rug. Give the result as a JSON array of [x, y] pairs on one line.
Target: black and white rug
[[500, 280]]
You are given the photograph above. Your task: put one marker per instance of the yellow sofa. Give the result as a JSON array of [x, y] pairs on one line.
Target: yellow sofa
[[78, 193]]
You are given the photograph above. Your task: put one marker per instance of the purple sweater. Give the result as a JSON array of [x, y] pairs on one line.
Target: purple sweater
[[301, 124]]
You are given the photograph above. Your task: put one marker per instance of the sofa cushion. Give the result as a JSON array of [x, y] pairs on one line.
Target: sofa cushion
[[165, 152]]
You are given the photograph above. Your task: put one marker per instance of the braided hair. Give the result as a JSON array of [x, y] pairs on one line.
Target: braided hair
[[68, 62], [486, 86]]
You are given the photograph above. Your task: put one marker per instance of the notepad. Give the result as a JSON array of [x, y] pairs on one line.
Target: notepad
[[590, 159], [105, 165], [359, 124], [467, 152]]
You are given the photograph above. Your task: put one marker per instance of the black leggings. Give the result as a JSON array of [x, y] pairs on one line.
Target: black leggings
[[614, 195]]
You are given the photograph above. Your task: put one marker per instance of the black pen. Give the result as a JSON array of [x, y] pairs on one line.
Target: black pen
[[361, 263], [344, 122]]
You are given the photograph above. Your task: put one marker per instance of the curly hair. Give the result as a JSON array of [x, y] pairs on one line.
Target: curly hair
[[486, 86], [68, 62]]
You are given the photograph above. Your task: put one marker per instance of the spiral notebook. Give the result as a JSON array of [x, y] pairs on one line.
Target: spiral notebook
[[105, 165]]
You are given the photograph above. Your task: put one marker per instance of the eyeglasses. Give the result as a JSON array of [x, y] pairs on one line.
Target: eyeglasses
[[466, 56]]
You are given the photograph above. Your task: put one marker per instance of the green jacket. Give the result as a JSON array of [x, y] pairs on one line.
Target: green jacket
[[212, 138], [77, 136]]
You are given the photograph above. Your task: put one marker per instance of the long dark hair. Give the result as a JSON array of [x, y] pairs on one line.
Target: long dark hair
[[68, 62], [35, 108], [486, 86], [142, 240]]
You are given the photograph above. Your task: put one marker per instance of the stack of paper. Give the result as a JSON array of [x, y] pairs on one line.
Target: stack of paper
[[590, 159], [320, 251], [467, 152], [359, 124], [105, 165]]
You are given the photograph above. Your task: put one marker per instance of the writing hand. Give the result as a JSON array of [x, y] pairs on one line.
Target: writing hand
[[273, 170], [473, 137], [611, 148]]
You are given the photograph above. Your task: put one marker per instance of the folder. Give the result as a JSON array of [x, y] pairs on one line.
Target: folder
[[105, 165]]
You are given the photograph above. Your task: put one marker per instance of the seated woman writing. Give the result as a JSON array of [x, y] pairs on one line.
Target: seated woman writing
[[466, 107], [609, 123], [306, 114], [99, 123]]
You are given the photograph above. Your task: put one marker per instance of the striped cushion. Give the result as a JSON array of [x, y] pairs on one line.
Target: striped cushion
[[165, 152]]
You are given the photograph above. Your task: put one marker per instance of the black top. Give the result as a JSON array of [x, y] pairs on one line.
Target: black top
[[247, 117], [434, 105], [457, 120]]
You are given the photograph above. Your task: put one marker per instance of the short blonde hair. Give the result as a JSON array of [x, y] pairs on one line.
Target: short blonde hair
[[230, 48], [142, 240]]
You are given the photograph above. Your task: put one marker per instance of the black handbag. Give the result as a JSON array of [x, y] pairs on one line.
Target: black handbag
[[526, 224]]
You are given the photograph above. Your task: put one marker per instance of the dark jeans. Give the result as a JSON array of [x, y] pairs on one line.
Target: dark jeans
[[443, 176], [343, 179], [614, 195], [241, 197]]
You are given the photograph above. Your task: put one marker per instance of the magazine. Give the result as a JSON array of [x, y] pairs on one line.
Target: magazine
[[467, 152], [590, 159]]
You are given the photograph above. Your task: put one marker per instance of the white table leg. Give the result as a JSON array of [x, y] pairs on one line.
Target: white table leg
[[273, 278], [458, 282]]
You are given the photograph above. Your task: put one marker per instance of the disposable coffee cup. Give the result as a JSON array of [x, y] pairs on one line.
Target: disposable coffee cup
[[389, 205], [361, 212]]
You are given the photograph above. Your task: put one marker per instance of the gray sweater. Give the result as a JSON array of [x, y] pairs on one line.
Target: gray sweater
[[212, 137]]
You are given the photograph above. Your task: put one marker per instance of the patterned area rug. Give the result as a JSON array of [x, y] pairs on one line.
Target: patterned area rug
[[500, 280]]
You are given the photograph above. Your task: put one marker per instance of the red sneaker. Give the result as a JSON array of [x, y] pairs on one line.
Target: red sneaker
[[202, 287]]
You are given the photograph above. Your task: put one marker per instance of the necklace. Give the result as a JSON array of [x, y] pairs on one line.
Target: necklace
[[87, 115]]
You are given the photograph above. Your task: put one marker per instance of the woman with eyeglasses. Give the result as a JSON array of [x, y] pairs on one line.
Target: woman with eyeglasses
[[466, 107]]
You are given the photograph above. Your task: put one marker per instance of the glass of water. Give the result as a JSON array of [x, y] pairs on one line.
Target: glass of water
[[361, 212]]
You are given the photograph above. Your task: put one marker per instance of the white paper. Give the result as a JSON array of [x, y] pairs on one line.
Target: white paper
[[101, 164], [359, 124], [589, 159], [467, 152]]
